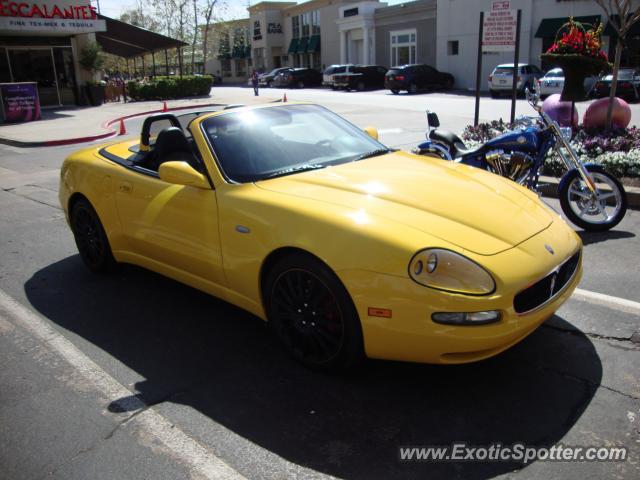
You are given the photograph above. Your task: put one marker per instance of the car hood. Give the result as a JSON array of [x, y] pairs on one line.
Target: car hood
[[477, 211]]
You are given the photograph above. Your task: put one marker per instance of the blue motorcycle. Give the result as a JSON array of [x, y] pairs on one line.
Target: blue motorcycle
[[590, 197]]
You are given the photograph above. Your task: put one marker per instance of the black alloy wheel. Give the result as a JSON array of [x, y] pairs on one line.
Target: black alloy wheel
[[90, 237], [312, 314]]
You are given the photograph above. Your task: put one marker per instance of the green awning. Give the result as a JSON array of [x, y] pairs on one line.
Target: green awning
[[247, 51], [302, 46], [314, 44], [550, 26], [610, 31], [293, 46]]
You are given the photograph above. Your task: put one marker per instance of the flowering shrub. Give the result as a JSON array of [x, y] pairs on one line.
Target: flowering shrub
[[618, 151], [577, 40]]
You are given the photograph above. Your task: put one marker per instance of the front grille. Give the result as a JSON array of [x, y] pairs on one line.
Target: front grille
[[544, 290]]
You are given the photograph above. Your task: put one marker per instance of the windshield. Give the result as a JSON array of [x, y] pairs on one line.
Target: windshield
[[253, 145], [503, 70]]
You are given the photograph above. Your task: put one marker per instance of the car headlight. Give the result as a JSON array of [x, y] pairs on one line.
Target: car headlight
[[446, 270]]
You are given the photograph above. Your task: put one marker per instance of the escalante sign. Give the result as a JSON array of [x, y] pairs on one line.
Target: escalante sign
[[49, 17]]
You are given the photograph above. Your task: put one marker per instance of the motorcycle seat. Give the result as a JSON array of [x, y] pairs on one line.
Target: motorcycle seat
[[453, 142]]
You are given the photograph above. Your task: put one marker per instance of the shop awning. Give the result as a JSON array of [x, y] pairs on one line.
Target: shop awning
[[293, 45], [314, 44], [302, 45], [125, 40], [610, 31], [550, 26]]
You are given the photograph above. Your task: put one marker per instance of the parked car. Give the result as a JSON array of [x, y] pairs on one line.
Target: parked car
[[331, 70], [627, 88], [453, 273], [501, 79], [266, 79], [298, 78], [361, 77], [415, 77], [553, 82]]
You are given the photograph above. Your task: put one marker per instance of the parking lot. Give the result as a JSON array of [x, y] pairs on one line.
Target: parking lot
[[133, 375]]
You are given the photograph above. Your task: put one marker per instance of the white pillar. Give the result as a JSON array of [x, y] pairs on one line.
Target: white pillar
[[343, 47], [365, 45]]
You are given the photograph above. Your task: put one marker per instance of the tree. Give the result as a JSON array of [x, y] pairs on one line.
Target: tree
[[208, 9], [621, 17], [140, 17]]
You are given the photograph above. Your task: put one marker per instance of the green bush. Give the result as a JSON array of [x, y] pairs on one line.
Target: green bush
[[162, 88]]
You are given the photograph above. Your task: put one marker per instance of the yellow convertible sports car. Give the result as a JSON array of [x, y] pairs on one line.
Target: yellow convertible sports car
[[348, 248]]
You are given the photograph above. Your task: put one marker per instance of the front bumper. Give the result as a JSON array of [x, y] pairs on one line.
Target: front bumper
[[411, 335]]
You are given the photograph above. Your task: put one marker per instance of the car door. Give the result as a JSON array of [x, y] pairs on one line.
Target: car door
[[175, 226]]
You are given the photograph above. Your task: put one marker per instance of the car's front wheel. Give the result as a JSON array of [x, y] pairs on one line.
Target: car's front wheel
[[91, 239], [312, 313], [300, 84], [395, 91]]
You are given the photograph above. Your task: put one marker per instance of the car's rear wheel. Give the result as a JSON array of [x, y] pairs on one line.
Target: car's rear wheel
[[312, 313], [91, 239], [395, 91]]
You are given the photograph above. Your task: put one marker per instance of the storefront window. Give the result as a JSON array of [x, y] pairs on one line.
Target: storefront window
[[306, 23], [29, 65], [65, 74], [225, 64], [241, 67], [295, 26], [5, 74], [315, 22], [403, 47]]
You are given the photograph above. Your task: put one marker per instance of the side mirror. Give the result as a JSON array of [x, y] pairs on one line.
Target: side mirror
[[372, 132], [181, 173]]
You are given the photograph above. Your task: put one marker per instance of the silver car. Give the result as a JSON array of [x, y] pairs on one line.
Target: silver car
[[331, 70], [501, 79], [553, 82]]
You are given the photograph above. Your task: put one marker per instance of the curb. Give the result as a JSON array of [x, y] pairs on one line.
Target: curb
[[549, 188], [101, 136]]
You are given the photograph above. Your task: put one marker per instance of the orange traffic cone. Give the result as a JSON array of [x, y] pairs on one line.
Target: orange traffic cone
[[284, 99], [164, 107], [122, 130]]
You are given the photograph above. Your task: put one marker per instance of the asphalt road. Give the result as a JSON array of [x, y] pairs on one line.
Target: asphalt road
[[133, 375]]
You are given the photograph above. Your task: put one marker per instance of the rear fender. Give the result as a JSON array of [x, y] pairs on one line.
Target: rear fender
[[432, 148]]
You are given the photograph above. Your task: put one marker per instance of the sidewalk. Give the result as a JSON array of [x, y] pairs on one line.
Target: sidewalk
[[63, 125]]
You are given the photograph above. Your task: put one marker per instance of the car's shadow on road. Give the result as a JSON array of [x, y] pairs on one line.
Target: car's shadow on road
[[202, 352]]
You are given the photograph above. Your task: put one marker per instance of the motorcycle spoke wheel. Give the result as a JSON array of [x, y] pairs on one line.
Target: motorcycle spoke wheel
[[599, 210]]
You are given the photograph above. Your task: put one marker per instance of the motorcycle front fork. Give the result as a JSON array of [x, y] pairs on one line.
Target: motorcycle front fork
[[577, 164]]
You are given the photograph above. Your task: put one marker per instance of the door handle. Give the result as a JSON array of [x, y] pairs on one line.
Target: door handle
[[125, 187]]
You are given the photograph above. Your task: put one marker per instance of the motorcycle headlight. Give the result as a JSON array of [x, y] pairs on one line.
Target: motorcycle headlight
[[449, 271]]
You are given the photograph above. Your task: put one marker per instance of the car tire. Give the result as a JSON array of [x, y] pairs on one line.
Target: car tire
[[269, 84], [312, 314], [360, 87], [413, 88], [300, 84], [90, 237], [448, 84], [493, 94], [395, 91]]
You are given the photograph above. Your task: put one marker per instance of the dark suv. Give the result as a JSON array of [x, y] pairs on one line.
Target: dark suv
[[298, 78], [361, 77], [413, 78]]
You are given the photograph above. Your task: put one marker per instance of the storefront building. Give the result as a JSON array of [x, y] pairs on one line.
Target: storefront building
[[457, 34], [231, 55], [40, 42]]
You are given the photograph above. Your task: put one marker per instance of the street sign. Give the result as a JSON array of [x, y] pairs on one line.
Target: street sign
[[499, 28]]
